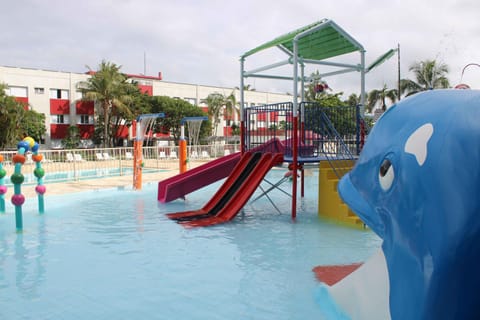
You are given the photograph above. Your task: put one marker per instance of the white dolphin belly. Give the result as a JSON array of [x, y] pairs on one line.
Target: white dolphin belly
[[364, 294]]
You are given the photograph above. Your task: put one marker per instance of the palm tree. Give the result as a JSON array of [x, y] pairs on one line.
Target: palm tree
[[381, 96], [231, 105], [109, 88], [247, 87], [215, 103], [429, 75]]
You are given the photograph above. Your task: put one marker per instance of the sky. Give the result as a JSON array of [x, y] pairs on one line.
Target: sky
[[195, 41]]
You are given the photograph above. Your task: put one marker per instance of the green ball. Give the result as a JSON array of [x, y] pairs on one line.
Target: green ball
[[17, 178], [3, 173], [39, 172]]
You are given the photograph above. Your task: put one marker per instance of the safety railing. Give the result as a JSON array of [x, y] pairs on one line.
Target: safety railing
[[341, 158], [68, 165], [324, 133]]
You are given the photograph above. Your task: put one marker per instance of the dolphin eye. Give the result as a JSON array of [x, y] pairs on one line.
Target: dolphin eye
[[386, 175]]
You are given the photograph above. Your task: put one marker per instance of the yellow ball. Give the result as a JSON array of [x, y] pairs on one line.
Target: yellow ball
[[30, 141]]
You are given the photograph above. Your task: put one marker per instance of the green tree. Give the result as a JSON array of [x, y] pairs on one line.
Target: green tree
[[34, 124], [428, 74], [11, 119], [380, 96], [352, 100], [235, 129], [175, 110], [109, 88], [215, 103], [72, 139]]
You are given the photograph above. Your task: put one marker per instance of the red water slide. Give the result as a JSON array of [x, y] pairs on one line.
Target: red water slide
[[178, 186], [211, 207], [233, 198], [181, 184]]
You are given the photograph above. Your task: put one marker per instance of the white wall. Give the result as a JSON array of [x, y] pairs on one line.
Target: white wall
[[35, 80]]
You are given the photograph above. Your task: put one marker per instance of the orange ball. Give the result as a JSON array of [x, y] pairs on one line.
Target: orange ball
[[1, 158], [18, 158], [37, 157]]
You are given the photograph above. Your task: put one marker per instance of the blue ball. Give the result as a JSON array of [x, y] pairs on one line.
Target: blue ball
[[35, 147], [23, 144]]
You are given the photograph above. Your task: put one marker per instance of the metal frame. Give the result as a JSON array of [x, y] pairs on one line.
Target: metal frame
[[299, 61]]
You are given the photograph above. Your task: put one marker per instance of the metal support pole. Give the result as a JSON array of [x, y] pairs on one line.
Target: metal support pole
[[362, 81], [295, 128], [242, 103]]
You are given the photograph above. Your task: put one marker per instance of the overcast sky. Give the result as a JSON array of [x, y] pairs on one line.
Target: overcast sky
[[194, 41]]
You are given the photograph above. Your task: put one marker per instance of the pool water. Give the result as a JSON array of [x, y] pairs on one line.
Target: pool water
[[114, 255]]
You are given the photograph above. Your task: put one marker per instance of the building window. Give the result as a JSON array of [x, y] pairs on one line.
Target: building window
[[84, 119], [39, 90], [20, 92], [59, 119], [59, 94]]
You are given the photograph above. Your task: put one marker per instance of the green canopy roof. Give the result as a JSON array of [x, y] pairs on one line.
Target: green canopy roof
[[320, 40], [384, 57]]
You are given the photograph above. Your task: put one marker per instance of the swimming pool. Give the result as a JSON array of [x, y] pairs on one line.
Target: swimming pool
[[114, 255]]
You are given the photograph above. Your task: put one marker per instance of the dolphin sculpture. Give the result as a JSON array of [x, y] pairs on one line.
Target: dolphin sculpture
[[416, 184]]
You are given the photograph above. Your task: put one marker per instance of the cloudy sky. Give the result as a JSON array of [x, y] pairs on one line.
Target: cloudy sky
[[195, 41]]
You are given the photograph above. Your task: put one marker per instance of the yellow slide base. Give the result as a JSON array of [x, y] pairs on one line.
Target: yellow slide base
[[330, 206]]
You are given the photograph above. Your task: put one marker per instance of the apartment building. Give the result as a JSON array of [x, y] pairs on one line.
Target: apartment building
[[55, 94]]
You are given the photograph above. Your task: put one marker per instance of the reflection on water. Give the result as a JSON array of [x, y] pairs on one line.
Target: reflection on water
[[22, 258], [113, 254]]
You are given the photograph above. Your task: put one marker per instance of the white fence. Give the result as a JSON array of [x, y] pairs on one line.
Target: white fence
[[79, 164]]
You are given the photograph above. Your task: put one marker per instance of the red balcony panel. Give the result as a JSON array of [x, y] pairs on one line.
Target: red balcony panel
[[122, 132], [23, 100], [274, 116], [58, 131], [227, 131], [85, 107], [262, 116], [59, 106], [86, 131], [146, 89]]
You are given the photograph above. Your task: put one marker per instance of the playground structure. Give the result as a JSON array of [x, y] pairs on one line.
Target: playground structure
[[302, 132], [312, 44], [17, 178], [142, 125]]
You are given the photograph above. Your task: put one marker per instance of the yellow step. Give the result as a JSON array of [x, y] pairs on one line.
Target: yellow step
[[330, 205]]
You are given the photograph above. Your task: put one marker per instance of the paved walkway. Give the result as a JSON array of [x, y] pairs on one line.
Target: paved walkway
[[102, 183]]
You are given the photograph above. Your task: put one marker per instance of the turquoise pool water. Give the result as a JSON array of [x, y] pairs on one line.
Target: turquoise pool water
[[114, 255]]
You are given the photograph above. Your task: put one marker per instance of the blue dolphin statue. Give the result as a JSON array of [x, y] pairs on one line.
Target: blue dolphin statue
[[417, 185]]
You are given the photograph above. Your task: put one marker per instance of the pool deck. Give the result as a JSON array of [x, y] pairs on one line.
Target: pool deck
[[102, 183]]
